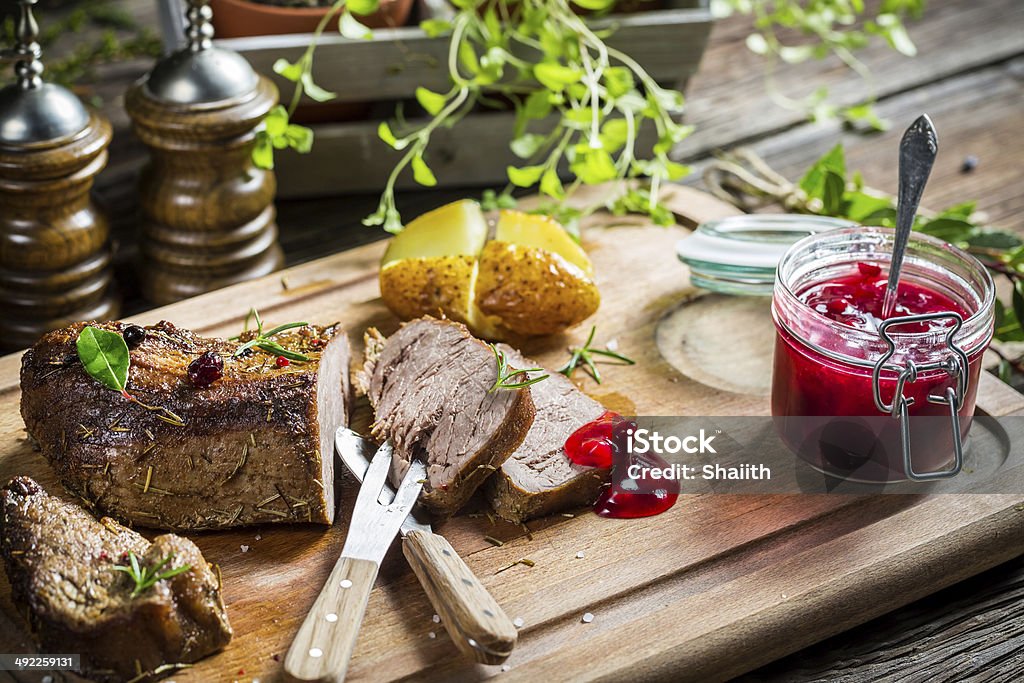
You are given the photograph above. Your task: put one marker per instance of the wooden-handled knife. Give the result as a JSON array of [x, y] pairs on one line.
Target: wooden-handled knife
[[323, 646], [474, 620]]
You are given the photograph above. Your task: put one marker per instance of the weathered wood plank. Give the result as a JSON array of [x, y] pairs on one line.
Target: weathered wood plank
[[728, 101], [974, 115]]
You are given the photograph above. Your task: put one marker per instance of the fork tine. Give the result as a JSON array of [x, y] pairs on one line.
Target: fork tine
[[411, 485], [376, 476]]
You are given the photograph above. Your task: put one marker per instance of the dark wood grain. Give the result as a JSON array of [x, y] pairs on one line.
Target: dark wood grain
[[55, 256], [208, 218], [971, 631]]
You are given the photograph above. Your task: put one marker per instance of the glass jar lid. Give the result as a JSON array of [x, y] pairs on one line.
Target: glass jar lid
[[739, 254]]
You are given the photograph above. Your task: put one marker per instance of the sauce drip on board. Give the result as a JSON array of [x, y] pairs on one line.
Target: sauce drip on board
[[602, 443]]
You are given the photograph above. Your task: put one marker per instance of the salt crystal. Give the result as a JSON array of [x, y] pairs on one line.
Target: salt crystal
[[580, 555], [47, 679], [431, 635], [436, 618], [259, 537], [612, 345], [505, 667], [587, 618], [518, 622], [245, 548]]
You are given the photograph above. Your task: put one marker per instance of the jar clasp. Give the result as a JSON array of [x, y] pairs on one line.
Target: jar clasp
[[955, 365]]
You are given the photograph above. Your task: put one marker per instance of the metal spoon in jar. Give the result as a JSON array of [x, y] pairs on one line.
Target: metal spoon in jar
[[918, 148]]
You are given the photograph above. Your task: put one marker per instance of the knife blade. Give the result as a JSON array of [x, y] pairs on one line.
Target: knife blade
[[474, 620], [323, 646]]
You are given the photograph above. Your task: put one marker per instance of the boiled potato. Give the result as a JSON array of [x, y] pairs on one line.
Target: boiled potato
[[532, 291], [429, 268], [437, 286], [531, 279]]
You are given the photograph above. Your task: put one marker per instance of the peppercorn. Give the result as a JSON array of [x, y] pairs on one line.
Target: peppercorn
[[282, 362], [133, 336]]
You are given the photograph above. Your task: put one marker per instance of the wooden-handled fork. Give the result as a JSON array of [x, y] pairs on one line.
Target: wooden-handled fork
[[474, 620]]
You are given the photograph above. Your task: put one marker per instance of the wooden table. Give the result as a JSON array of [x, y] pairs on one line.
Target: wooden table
[[968, 77]]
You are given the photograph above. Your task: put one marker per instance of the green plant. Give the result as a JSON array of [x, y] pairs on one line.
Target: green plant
[[793, 31], [551, 66]]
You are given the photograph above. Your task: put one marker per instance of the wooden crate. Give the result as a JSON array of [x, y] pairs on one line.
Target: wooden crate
[[349, 158]]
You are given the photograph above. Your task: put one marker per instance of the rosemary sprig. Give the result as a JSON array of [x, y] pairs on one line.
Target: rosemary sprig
[[263, 340], [585, 355], [505, 374], [146, 577]]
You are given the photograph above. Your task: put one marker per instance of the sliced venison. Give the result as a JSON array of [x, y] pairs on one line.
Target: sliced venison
[[431, 388], [60, 562], [255, 446], [539, 479]]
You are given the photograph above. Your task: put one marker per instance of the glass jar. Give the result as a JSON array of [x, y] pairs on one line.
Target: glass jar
[[878, 405]]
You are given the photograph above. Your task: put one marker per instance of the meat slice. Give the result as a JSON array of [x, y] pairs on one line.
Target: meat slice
[[60, 561], [255, 446], [539, 479], [430, 385]]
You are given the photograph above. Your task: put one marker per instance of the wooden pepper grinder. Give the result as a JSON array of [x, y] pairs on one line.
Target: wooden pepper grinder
[[54, 250], [208, 216]]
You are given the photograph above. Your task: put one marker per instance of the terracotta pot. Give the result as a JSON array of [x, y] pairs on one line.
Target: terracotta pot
[[241, 18]]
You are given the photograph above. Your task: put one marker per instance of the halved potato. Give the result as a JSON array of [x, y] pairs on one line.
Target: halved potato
[[533, 291], [542, 232], [441, 286], [532, 279]]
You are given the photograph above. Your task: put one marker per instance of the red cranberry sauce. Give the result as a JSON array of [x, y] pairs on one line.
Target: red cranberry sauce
[[856, 300], [809, 385], [602, 443]]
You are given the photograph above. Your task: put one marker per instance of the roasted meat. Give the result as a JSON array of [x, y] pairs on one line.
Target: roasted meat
[[430, 385], [60, 561], [254, 446], [539, 479]]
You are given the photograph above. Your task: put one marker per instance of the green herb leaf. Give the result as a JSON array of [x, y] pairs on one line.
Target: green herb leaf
[[537, 105], [594, 5], [525, 146], [362, 7], [285, 69], [263, 340], [385, 134], [527, 176], [263, 151], [145, 577], [431, 101], [507, 375], [618, 80], [105, 357], [435, 28], [594, 167], [421, 172], [314, 91], [832, 195], [350, 27], [813, 182], [584, 356], [556, 76], [551, 185]]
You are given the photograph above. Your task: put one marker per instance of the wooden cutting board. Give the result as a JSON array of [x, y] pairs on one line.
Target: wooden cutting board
[[718, 585]]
